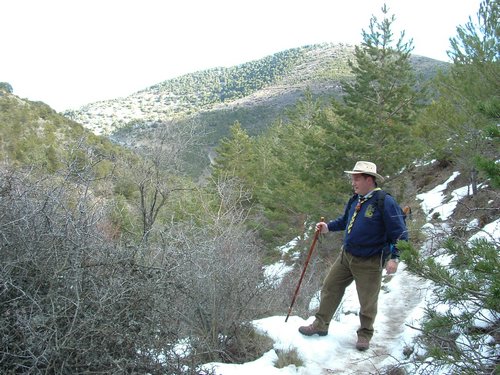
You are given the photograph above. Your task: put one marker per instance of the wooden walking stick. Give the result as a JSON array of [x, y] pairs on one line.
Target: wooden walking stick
[[315, 239]]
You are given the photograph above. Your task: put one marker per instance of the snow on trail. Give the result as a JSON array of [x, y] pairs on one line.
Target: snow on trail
[[335, 353]]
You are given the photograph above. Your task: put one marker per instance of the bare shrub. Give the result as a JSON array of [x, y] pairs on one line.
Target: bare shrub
[[219, 277], [71, 300]]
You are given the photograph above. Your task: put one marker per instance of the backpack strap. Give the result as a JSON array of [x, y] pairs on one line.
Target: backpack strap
[[381, 200], [405, 211]]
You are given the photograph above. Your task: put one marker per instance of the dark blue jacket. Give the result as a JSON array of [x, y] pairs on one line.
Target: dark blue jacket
[[371, 231]]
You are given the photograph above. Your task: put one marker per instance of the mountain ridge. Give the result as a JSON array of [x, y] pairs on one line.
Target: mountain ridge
[[280, 77]]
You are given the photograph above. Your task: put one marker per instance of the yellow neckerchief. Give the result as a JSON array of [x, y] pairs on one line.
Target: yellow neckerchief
[[361, 200]]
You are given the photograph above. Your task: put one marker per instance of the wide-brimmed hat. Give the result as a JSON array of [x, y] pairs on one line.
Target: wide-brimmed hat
[[366, 167]]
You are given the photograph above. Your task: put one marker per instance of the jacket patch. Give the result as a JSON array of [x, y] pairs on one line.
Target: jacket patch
[[369, 211]]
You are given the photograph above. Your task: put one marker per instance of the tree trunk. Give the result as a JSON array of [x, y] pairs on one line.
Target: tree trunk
[[473, 180]]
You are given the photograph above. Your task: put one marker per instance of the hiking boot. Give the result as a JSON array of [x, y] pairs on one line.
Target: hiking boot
[[312, 330], [363, 343]]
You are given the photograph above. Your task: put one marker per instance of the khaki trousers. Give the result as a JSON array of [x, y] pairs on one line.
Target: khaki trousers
[[367, 274]]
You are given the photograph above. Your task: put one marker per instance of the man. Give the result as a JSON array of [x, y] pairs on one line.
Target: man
[[370, 237]]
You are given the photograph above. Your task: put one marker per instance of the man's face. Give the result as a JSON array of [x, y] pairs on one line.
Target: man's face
[[361, 184]]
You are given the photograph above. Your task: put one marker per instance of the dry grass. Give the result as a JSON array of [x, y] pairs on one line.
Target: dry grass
[[288, 357]]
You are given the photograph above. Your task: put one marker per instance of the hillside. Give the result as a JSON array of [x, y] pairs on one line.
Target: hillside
[[254, 94], [268, 84], [32, 133], [218, 88]]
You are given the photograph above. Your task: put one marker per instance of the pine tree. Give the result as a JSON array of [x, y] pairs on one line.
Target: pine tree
[[460, 328], [462, 124], [381, 103], [459, 338], [234, 154]]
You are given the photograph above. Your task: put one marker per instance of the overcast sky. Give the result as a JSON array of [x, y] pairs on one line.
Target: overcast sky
[[68, 53]]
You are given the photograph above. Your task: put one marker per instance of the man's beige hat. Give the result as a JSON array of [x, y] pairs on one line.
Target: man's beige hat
[[366, 167]]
